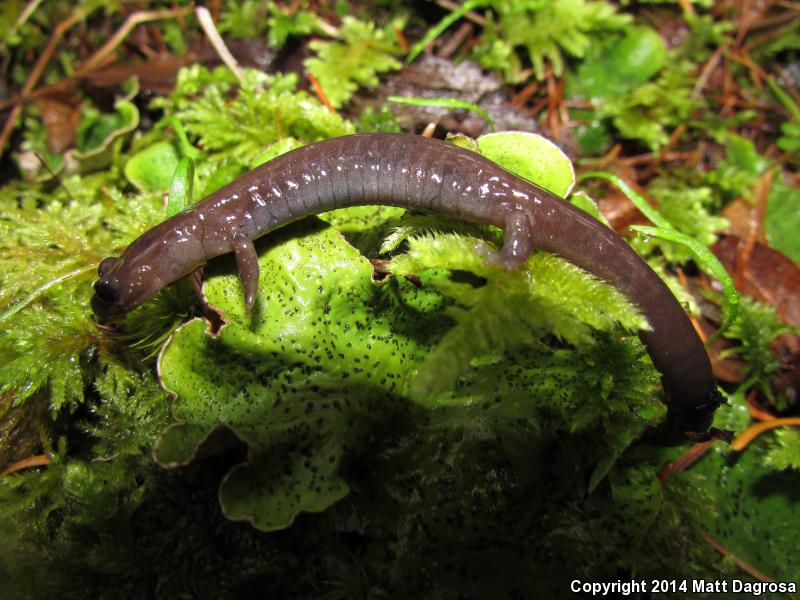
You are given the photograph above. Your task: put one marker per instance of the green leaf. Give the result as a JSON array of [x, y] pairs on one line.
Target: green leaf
[[734, 414], [240, 121], [152, 169], [10, 12], [648, 110], [705, 259], [275, 150], [631, 61], [531, 156], [246, 19], [43, 352], [741, 156], [97, 127], [366, 227], [689, 210], [737, 173], [756, 330], [181, 191], [638, 495], [790, 140], [585, 202], [283, 24], [756, 510], [621, 434], [592, 132], [381, 120], [363, 52], [548, 294], [300, 380], [453, 103], [547, 30], [410, 225], [639, 55], [784, 449], [782, 221], [709, 263], [437, 29], [101, 135]]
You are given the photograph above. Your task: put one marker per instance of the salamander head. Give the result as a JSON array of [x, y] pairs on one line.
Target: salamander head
[[125, 283], [159, 257]]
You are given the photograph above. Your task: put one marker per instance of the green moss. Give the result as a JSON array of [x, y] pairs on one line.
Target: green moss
[[363, 52], [478, 434]]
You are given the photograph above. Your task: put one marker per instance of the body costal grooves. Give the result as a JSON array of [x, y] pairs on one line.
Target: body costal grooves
[[434, 176]]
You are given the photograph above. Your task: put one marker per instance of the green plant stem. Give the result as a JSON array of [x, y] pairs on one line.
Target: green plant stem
[[183, 139], [632, 195], [784, 98], [437, 29], [445, 103], [36, 292], [704, 258], [181, 190], [709, 263]]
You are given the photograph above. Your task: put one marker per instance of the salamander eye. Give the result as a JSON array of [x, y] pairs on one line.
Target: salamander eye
[[106, 265], [107, 291]]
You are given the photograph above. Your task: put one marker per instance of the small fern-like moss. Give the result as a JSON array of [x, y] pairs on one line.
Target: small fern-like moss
[[547, 296]]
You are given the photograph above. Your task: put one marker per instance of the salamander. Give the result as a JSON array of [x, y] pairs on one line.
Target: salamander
[[427, 175]]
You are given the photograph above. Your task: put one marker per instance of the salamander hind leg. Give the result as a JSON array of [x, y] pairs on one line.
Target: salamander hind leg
[[247, 263], [517, 242]]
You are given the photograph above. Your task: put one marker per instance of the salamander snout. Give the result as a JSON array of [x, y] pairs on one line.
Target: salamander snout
[[107, 290], [105, 301]]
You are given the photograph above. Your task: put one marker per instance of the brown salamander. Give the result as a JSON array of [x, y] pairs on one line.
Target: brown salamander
[[421, 174]]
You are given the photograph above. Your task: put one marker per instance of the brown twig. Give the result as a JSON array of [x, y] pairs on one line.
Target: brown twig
[[320, 92], [521, 97], [39, 460], [611, 156], [26, 13], [686, 7], [207, 23], [452, 45], [534, 110], [757, 41], [643, 159], [98, 59], [555, 117], [673, 140], [757, 74], [685, 460], [728, 96], [120, 34], [744, 22], [685, 285], [708, 69], [746, 567], [659, 158], [777, 19], [751, 433], [37, 70], [756, 231], [757, 413], [471, 15], [576, 103], [401, 39], [786, 84]]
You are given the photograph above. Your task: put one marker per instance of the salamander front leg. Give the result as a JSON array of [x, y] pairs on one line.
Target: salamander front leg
[[247, 263], [517, 242]]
